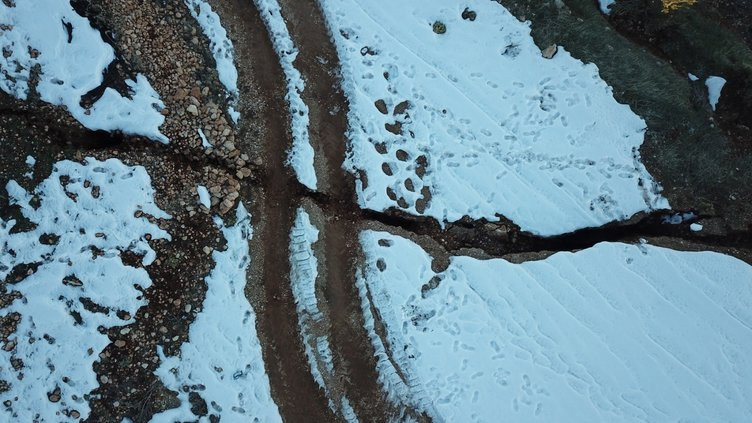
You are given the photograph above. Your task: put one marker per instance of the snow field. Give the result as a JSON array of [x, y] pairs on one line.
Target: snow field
[[223, 355], [72, 57], [614, 333], [82, 208], [301, 155], [475, 122]]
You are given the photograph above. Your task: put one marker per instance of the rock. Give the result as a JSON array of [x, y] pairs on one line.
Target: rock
[[120, 343], [550, 51], [380, 106], [469, 15], [192, 109], [439, 27]]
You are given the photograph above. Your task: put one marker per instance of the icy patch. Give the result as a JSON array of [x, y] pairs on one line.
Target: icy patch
[[222, 361], [606, 6], [221, 48], [301, 154], [612, 333], [475, 122], [72, 57], [85, 217], [715, 85], [303, 274]]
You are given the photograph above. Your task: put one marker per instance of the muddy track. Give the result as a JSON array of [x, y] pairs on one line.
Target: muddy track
[[273, 208], [354, 358]]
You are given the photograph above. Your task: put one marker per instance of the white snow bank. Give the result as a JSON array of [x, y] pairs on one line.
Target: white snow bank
[[72, 57], [715, 85], [497, 127], [612, 333], [303, 274], [221, 48], [57, 338], [301, 154], [222, 361]]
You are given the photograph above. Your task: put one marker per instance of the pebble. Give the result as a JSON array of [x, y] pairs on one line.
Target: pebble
[[192, 109]]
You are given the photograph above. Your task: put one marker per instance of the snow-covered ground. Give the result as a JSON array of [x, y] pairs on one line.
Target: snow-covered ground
[[482, 120], [303, 274], [72, 57], [612, 333], [221, 48], [223, 353], [301, 154], [57, 338]]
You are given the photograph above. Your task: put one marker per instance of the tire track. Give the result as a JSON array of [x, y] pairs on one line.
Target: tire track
[[262, 92], [354, 357]]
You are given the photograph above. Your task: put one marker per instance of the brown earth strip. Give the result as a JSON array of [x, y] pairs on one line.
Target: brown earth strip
[[354, 357], [273, 209]]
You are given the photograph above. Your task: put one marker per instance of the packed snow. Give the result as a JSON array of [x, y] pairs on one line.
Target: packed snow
[[72, 58], [84, 217], [715, 86], [303, 274], [222, 361], [615, 332], [476, 122], [221, 48], [301, 155]]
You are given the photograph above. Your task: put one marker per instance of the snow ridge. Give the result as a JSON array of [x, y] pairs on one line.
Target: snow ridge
[[301, 155], [223, 354], [90, 213], [303, 274], [72, 57]]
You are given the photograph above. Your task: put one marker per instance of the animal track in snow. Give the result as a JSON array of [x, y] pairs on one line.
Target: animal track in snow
[[526, 120]]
